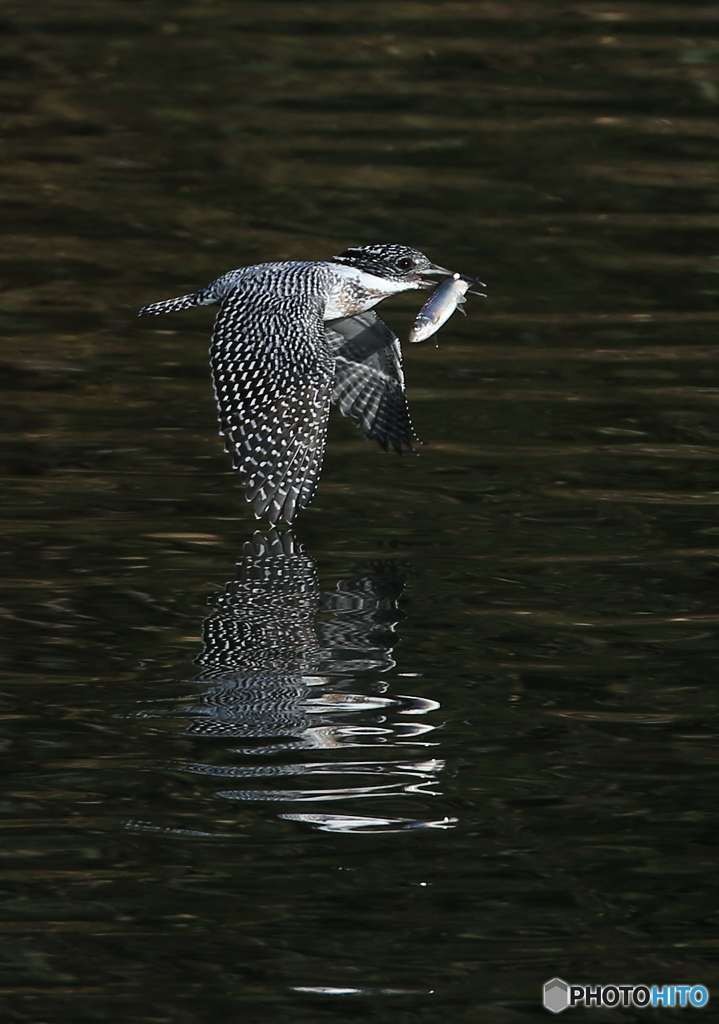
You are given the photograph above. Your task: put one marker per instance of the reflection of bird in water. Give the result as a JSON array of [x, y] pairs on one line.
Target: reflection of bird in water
[[280, 655], [289, 668], [290, 339]]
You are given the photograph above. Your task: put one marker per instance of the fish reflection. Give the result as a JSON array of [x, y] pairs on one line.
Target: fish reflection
[[289, 668]]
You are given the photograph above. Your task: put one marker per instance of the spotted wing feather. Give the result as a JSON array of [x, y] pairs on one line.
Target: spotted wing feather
[[272, 372], [368, 380]]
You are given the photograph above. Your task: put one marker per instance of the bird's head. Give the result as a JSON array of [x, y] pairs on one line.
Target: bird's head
[[396, 263]]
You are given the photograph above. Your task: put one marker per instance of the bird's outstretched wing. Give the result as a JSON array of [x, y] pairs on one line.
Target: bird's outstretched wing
[[368, 380], [272, 372]]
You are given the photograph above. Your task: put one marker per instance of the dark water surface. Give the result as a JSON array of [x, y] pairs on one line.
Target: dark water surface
[[459, 733]]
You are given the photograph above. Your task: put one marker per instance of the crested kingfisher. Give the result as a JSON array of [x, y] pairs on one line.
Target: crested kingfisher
[[290, 338]]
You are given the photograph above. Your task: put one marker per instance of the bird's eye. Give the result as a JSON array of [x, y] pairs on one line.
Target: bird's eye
[[405, 263]]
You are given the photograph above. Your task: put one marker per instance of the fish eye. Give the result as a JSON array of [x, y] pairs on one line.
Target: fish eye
[[405, 263]]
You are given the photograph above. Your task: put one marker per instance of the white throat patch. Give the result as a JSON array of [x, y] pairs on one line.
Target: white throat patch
[[357, 290]]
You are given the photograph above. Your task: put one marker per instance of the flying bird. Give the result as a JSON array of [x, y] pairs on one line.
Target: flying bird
[[291, 338]]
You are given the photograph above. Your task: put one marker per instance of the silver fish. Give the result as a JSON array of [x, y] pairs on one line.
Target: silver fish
[[440, 306]]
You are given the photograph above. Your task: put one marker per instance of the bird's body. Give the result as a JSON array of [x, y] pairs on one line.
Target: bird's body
[[291, 338]]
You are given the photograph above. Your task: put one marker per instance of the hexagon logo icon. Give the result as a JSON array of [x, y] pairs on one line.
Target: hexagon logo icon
[[556, 995]]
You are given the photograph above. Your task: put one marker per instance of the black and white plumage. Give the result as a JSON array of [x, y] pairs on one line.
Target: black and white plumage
[[290, 339]]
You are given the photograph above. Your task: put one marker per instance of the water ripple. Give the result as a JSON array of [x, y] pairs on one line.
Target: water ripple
[[288, 667]]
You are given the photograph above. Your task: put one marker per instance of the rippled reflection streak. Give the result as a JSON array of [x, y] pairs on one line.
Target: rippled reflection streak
[[290, 668]]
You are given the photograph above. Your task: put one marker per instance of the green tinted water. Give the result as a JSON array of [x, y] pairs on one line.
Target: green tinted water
[[458, 736]]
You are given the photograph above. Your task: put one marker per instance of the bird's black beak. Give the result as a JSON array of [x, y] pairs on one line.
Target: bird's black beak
[[433, 268]]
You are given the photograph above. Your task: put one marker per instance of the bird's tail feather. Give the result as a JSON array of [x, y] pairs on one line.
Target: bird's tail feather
[[175, 305]]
